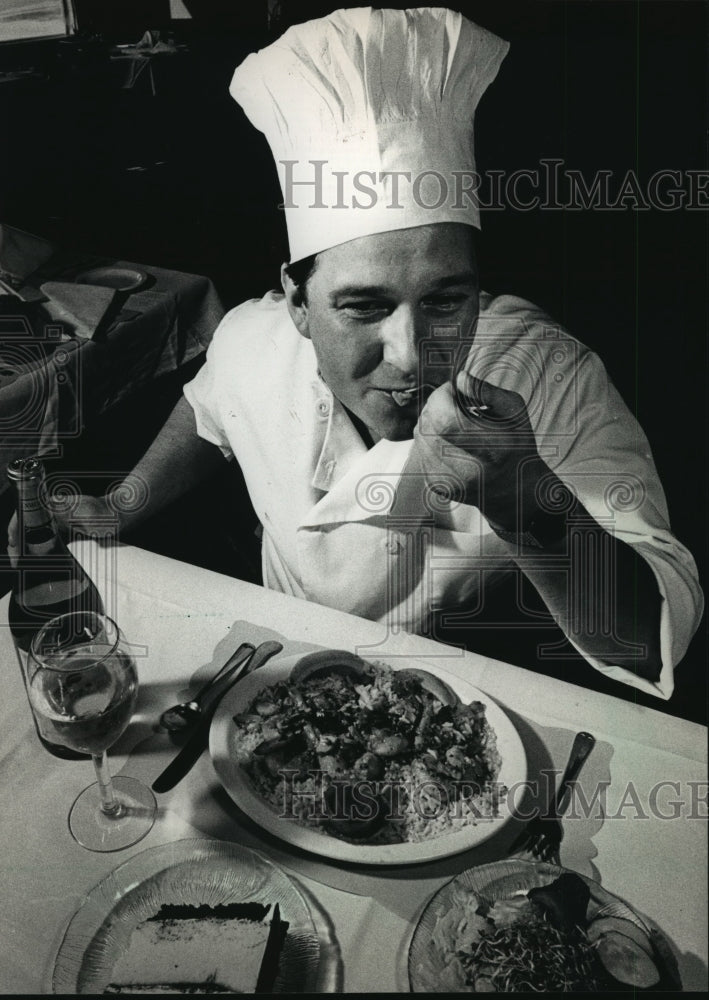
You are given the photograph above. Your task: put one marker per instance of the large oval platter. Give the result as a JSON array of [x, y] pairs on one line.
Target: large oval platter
[[236, 781]]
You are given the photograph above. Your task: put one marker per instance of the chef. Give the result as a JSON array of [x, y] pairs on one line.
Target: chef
[[407, 440]]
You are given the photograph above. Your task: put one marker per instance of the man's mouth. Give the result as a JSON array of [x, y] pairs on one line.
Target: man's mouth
[[404, 397]]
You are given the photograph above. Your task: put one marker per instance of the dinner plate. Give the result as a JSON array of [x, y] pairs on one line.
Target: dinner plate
[[237, 783], [428, 969], [185, 871], [123, 279]]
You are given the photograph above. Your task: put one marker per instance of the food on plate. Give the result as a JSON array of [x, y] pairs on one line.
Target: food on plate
[[564, 901], [536, 941], [329, 661], [625, 951], [351, 816], [229, 948], [363, 752]]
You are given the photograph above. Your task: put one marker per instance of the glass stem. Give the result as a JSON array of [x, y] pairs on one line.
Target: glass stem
[[110, 805]]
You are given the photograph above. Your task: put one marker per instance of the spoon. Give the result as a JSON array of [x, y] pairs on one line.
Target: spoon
[[264, 651], [199, 736], [181, 717]]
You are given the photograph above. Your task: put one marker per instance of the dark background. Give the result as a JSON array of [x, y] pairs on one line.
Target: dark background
[[180, 179]]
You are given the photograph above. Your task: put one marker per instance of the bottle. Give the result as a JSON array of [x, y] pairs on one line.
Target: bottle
[[49, 581]]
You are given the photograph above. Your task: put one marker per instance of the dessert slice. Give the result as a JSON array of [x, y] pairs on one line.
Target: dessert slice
[[228, 948]]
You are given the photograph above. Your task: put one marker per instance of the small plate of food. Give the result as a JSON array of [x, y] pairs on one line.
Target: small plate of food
[[193, 916], [380, 762], [522, 926]]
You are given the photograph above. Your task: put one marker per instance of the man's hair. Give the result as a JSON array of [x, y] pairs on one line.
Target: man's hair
[[299, 272]]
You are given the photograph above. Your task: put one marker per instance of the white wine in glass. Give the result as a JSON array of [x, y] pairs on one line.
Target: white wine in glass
[[83, 687]]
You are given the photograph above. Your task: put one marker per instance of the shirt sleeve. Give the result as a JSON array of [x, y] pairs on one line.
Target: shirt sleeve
[[592, 442], [204, 393], [609, 466]]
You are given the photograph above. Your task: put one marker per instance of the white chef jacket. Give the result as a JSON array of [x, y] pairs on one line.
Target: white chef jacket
[[325, 500]]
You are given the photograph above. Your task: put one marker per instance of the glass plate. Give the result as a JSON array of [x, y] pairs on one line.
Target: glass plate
[[238, 784], [186, 871], [428, 970]]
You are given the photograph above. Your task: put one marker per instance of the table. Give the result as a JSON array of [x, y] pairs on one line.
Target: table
[[52, 383], [184, 622]]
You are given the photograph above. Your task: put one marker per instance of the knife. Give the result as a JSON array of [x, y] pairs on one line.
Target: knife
[[269, 963], [197, 740]]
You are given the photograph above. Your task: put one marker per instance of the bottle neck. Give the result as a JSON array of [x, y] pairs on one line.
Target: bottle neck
[[37, 528]]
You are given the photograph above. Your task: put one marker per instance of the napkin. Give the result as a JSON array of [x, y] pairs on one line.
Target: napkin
[[81, 307], [21, 254]]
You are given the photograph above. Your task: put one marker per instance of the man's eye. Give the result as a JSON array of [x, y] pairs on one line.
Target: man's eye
[[445, 303], [363, 308]]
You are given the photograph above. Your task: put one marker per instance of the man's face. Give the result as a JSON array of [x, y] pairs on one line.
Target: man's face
[[378, 310]]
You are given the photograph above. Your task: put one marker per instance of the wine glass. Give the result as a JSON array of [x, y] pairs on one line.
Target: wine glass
[[83, 686]]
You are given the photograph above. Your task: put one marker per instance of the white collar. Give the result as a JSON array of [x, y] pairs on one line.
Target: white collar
[[358, 482], [343, 445]]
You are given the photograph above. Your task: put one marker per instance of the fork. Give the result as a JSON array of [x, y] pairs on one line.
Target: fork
[[543, 834]]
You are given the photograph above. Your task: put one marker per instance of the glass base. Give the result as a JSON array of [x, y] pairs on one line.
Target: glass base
[[96, 831]]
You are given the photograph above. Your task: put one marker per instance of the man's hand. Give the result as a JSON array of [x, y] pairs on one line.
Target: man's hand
[[492, 456], [76, 515], [494, 461]]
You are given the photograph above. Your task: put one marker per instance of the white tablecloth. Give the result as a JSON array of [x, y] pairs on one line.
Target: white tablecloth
[[184, 622]]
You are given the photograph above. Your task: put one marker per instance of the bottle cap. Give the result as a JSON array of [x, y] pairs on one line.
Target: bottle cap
[[22, 469]]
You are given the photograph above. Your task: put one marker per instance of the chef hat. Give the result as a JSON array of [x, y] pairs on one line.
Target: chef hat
[[369, 116]]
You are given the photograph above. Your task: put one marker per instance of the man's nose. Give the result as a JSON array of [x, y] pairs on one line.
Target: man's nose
[[400, 338]]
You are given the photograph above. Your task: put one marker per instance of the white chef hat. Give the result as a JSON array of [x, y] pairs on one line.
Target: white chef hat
[[369, 116]]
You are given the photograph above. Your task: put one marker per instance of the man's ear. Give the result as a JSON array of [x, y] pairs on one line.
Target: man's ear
[[295, 300]]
